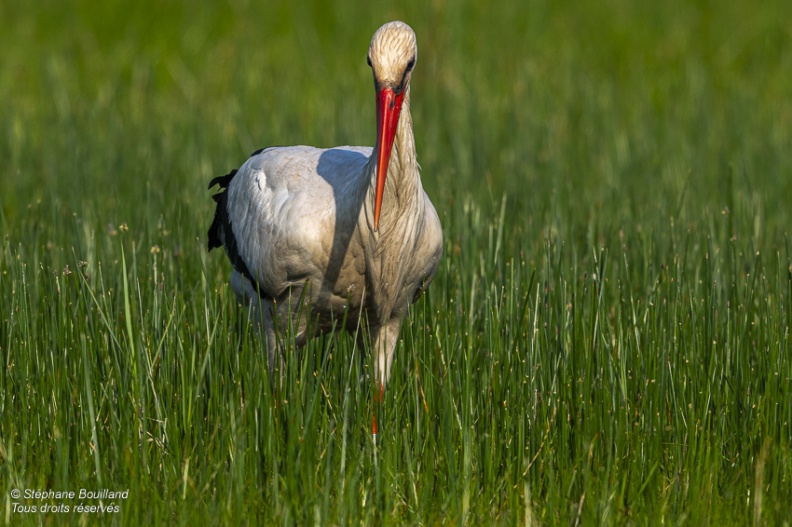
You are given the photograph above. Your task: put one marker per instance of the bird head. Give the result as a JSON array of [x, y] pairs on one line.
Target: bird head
[[392, 56]]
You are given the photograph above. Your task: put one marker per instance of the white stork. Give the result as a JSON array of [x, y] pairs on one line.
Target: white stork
[[316, 234]]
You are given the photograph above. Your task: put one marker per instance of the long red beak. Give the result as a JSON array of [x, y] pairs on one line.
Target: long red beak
[[389, 104]]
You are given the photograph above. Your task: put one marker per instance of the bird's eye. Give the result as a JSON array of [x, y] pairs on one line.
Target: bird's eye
[[411, 64], [368, 60]]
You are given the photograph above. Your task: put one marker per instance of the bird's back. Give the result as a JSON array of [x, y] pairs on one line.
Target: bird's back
[[288, 212]]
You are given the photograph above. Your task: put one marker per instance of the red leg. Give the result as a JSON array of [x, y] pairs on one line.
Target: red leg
[[377, 401]]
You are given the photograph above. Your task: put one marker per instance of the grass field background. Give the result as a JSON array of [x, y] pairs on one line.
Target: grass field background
[[607, 340]]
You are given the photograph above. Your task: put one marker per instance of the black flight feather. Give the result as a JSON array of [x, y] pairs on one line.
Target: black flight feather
[[222, 235]]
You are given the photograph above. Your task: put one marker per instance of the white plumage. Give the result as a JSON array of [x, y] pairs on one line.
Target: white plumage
[[348, 230]]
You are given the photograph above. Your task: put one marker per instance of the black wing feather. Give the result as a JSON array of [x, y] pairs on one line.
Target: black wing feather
[[221, 225], [222, 235]]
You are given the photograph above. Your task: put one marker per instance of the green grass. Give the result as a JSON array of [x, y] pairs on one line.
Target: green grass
[[607, 340]]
